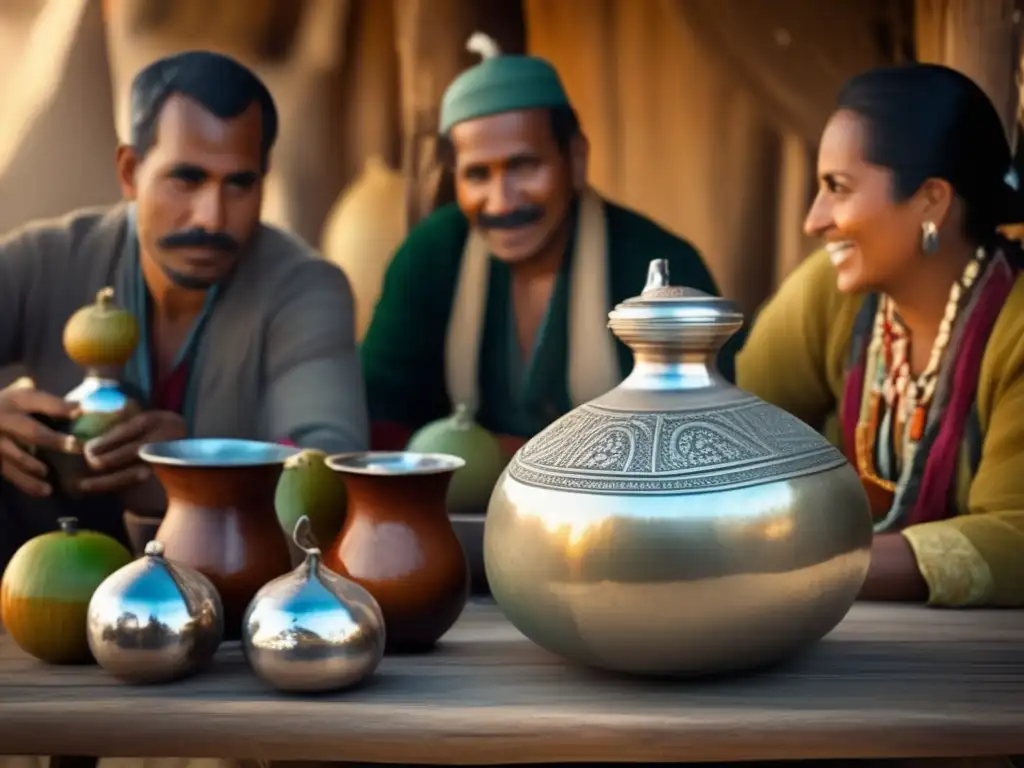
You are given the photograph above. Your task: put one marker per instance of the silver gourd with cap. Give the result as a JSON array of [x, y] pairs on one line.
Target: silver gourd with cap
[[677, 525], [313, 630], [154, 620]]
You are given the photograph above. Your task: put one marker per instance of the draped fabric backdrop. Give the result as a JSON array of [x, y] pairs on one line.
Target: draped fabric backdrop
[[56, 135], [701, 113], [981, 40], [704, 113]]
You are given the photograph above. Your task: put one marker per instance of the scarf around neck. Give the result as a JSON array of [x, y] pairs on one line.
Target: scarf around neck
[[133, 294], [593, 366], [924, 491]]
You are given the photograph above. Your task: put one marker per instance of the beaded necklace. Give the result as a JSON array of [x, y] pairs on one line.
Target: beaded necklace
[[900, 424]]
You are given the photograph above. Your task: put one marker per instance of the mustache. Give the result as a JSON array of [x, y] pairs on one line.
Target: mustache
[[199, 238], [518, 218]]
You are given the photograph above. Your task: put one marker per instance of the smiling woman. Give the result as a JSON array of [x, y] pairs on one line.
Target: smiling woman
[[909, 326]]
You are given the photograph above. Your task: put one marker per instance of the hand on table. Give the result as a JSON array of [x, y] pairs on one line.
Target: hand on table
[[893, 575], [114, 456], [20, 432]]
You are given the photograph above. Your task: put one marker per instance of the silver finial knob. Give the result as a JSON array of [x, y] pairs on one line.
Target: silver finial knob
[[154, 548], [657, 275]]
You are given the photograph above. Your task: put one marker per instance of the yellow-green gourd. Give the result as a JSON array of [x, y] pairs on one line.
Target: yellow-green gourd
[[308, 487], [46, 588], [460, 435]]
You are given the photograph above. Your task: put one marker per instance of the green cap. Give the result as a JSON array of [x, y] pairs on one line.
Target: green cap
[[499, 84]]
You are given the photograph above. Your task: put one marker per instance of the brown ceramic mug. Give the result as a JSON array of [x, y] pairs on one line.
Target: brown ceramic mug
[[397, 542], [220, 516]]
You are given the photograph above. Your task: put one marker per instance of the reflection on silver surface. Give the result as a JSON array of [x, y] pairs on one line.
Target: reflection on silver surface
[[98, 395], [688, 585], [154, 620], [394, 463], [311, 629], [676, 525], [216, 453], [103, 403]]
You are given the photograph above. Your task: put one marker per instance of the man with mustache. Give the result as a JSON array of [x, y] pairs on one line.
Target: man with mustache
[[245, 331], [499, 302]]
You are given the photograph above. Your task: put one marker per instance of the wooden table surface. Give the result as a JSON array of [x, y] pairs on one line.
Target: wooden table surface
[[890, 681]]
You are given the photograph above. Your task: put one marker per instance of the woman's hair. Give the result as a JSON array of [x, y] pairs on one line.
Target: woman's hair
[[929, 121]]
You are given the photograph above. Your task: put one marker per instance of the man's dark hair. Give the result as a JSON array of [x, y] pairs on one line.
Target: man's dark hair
[[565, 126], [223, 86]]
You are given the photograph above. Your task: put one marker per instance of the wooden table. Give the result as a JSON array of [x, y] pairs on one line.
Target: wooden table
[[889, 682]]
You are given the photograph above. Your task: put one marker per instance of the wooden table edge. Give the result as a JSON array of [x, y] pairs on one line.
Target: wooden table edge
[[487, 735]]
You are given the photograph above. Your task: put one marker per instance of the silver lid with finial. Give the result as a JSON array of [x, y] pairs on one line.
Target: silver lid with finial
[[673, 315]]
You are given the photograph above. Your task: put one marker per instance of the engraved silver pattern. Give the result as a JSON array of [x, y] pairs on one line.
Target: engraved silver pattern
[[599, 450], [745, 528]]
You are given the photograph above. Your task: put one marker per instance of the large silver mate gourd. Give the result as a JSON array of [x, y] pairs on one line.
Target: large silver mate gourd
[[677, 525]]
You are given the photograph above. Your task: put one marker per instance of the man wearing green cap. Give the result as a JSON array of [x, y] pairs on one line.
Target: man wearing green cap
[[500, 301]]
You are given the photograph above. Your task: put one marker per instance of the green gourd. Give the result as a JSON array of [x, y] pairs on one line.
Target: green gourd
[[46, 588], [460, 435], [308, 487]]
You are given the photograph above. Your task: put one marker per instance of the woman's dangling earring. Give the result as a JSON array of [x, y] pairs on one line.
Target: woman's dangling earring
[[929, 237]]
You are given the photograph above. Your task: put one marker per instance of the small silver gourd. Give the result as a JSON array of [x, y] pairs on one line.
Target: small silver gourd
[[311, 629], [154, 620]]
